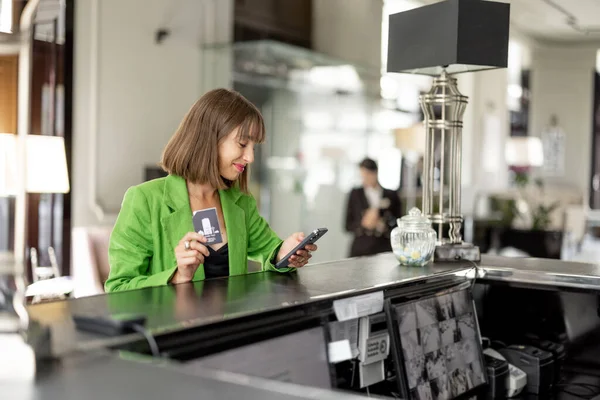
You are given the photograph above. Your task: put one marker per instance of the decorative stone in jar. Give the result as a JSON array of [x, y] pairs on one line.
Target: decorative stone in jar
[[414, 239]]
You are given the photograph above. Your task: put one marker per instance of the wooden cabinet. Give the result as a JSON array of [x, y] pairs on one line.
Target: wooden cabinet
[[288, 21], [9, 67]]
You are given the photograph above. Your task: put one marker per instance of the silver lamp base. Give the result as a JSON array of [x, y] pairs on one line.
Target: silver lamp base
[[457, 252]]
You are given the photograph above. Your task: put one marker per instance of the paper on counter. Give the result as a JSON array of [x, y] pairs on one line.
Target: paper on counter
[[345, 330], [358, 306], [339, 351]]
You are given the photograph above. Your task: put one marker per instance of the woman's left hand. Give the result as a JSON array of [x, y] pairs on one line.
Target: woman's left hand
[[300, 259]]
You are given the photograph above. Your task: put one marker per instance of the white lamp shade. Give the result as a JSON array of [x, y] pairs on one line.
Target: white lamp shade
[[411, 139], [524, 151], [8, 164], [6, 16], [46, 168], [46, 165]]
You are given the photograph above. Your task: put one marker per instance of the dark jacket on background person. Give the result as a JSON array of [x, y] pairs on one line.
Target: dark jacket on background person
[[369, 242]]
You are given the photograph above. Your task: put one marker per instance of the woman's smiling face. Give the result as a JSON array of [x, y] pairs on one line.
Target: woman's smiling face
[[235, 154]]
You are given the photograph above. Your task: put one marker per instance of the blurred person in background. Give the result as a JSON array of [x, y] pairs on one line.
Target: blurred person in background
[[371, 213]]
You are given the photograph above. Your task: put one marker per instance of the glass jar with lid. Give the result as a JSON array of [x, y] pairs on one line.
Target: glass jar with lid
[[413, 240]]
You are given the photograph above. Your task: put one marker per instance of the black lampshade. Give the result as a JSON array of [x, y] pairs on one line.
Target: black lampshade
[[464, 35]]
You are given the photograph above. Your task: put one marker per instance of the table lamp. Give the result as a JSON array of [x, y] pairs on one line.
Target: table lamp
[[8, 164], [45, 169], [441, 39], [524, 152]]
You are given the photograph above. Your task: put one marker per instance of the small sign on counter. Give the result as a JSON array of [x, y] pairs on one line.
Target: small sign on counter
[[345, 330], [358, 306], [339, 351]]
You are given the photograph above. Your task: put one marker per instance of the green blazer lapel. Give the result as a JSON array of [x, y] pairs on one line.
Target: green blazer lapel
[[235, 224], [179, 221]]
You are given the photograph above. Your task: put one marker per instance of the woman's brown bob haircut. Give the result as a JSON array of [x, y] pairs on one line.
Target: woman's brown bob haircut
[[193, 150]]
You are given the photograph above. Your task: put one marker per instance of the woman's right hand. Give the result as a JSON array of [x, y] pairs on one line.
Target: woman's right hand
[[190, 253]]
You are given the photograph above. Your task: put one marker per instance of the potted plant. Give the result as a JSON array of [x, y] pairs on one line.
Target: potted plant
[[529, 229]]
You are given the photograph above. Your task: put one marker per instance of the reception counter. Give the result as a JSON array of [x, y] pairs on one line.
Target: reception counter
[[542, 273], [195, 305], [181, 314]]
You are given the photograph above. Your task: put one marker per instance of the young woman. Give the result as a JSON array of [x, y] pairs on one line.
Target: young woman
[[153, 241]]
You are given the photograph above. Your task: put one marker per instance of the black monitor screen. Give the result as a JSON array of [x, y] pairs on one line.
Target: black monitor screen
[[299, 357], [441, 349]]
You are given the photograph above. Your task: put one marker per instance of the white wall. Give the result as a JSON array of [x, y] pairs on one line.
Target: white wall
[[130, 92], [487, 110], [562, 84], [487, 128]]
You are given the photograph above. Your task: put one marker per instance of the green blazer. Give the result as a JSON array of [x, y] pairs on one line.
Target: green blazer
[[155, 216]]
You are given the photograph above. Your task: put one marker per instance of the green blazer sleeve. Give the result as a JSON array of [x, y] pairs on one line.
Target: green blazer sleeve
[[263, 242], [131, 247]]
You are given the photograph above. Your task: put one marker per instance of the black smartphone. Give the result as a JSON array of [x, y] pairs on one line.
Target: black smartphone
[[310, 239]]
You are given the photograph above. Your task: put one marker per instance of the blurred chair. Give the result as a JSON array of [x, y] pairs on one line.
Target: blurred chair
[[48, 284], [90, 260], [39, 272]]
